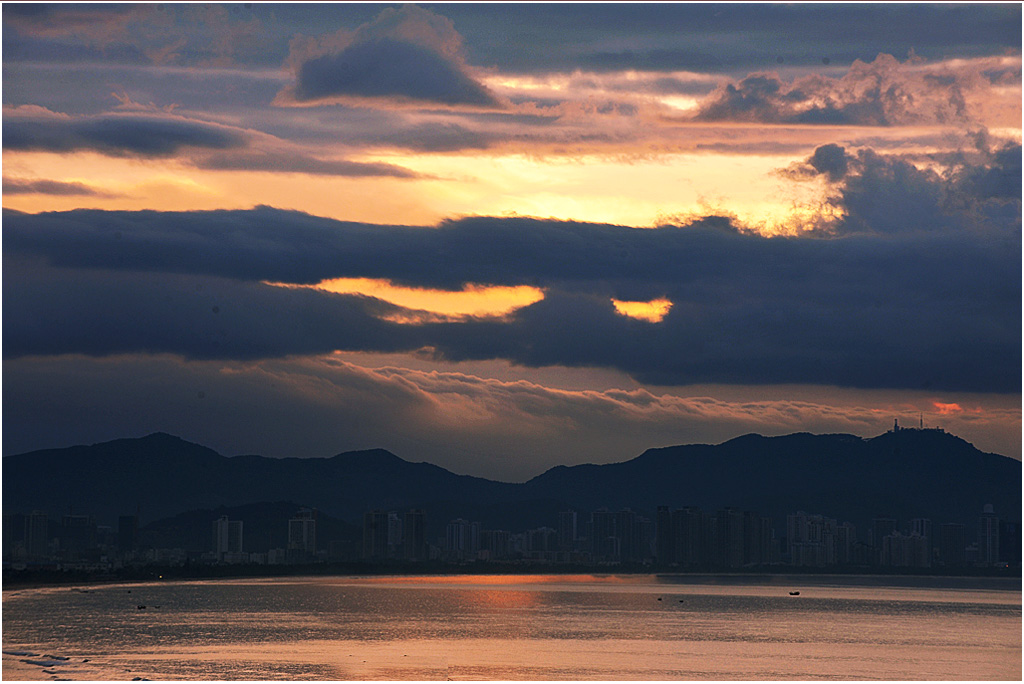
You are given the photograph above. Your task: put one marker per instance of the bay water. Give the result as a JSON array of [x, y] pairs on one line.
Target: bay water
[[519, 627]]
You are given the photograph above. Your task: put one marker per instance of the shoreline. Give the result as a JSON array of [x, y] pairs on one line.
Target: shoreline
[[48, 579]]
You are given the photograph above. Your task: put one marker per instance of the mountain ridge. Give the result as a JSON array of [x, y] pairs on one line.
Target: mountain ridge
[[903, 473]]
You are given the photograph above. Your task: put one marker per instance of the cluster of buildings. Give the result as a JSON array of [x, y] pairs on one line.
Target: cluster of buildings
[[77, 542], [689, 538], [684, 539], [819, 541]]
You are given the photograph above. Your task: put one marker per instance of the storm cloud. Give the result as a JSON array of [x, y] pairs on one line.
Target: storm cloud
[[912, 309]]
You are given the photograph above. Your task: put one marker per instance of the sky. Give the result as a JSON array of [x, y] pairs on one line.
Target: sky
[[504, 237]]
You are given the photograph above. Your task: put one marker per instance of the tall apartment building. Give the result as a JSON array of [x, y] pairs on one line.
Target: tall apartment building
[[227, 537], [568, 531], [414, 543], [302, 535], [375, 535], [988, 537], [462, 539]]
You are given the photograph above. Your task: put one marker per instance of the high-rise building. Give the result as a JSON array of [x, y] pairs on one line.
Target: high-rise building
[[415, 539], [812, 539], [394, 535], [37, 534], [988, 537], [757, 535], [1009, 543], [227, 537], [462, 539], [846, 540], [905, 551], [604, 542], [727, 528], [302, 535], [627, 532], [689, 537], [880, 529], [568, 531], [664, 539], [375, 535]]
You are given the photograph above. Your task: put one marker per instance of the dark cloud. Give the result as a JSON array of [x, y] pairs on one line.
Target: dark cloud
[[14, 186], [533, 37], [889, 194], [115, 134], [830, 160], [387, 68], [725, 38], [899, 306], [104, 312], [999, 180]]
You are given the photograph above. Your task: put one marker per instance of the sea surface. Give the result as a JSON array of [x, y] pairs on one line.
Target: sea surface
[[532, 627]]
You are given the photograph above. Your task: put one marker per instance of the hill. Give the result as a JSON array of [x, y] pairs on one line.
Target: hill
[[903, 474]]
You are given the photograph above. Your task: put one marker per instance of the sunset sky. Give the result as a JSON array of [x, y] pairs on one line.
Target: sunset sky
[[500, 238]]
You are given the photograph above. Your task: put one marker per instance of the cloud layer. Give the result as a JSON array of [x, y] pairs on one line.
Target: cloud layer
[[922, 291], [145, 136]]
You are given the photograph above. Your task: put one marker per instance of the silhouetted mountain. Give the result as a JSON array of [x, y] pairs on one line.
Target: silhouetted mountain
[[161, 476], [904, 474]]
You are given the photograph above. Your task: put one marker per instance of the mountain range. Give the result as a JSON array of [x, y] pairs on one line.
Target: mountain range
[[902, 474]]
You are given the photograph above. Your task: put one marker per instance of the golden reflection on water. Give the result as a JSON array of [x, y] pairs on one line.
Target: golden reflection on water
[[514, 627], [500, 579]]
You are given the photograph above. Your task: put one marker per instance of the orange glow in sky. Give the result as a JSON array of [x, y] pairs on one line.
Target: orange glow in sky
[[472, 300], [653, 311]]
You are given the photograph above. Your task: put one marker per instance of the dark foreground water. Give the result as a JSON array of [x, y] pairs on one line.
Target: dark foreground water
[[536, 627]]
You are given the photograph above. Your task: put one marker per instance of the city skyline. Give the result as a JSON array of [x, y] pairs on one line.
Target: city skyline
[[686, 539], [506, 237]]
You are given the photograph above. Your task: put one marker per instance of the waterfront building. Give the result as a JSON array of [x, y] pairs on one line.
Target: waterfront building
[[415, 539], [375, 535], [227, 537], [988, 537], [302, 536], [462, 539]]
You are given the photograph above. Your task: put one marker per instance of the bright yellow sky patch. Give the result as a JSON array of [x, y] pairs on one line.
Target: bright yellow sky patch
[[638, 191], [653, 311], [472, 300]]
